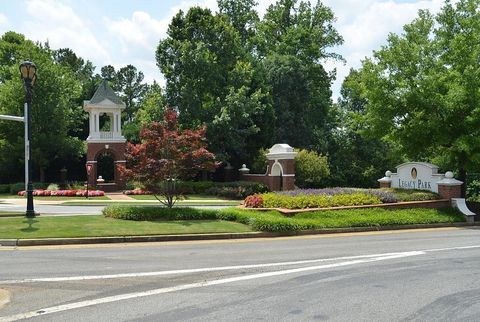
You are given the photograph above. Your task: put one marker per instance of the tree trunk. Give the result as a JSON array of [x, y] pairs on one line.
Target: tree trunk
[[42, 175], [462, 176]]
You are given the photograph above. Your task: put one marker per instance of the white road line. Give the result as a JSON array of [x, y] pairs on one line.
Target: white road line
[[109, 299], [187, 271], [213, 269]]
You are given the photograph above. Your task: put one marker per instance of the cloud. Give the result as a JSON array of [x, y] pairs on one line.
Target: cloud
[[365, 26], [139, 30], [58, 24], [3, 20], [140, 34]]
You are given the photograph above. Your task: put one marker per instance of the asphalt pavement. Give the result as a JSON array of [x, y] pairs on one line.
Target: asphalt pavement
[[57, 209], [422, 275]]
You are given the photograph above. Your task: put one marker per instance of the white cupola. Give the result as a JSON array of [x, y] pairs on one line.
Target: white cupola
[[105, 116]]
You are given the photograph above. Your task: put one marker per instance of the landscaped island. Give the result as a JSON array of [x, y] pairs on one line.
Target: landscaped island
[[335, 197]]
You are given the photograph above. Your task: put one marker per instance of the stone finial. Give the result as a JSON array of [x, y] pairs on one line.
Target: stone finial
[[387, 178], [449, 180], [244, 169]]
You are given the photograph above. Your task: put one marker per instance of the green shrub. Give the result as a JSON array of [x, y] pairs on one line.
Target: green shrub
[[236, 189], [473, 190], [199, 187], [16, 187], [311, 169], [414, 195], [140, 213], [53, 187], [275, 200], [4, 188], [260, 162]]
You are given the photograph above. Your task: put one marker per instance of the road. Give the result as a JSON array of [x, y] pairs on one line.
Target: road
[[55, 209], [425, 275], [72, 210]]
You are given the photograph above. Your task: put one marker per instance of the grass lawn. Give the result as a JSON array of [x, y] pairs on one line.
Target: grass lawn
[[274, 221], [98, 226]]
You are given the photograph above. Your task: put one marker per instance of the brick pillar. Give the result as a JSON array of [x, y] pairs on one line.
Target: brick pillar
[[386, 182], [449, 187]]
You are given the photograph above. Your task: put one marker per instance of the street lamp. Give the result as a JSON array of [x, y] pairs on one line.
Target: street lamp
[[28, 72]]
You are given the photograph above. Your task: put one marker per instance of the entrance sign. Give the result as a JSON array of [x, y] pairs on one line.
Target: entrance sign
[[416, 175]]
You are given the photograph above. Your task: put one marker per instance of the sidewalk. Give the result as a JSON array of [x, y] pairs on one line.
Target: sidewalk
[[118, 196]]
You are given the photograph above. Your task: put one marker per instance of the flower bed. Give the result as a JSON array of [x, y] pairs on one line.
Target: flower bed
[[334, 197], [65, 193], [137, 192]]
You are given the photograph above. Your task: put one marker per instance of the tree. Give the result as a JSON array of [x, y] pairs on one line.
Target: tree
[[242, 16], [150, 109], [294, 40], [165, 155], [54, 109], [211, 80], [356, 159], [108, 73], [84, 72], [129, 83], [423, 88], [311, 169]]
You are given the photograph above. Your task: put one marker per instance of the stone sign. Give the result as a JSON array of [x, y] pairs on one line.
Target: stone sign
[[416, 175], [422, 176]]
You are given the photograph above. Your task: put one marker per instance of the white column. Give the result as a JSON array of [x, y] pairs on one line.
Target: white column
[[117, 121], [97, 123], [90, 123]]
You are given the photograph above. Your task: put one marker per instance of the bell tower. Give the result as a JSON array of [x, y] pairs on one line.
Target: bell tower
[[105, 142]]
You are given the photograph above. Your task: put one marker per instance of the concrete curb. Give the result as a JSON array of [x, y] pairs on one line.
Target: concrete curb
[[165, 238]]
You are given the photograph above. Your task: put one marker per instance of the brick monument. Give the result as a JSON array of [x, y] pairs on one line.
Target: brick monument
[[105, 140]]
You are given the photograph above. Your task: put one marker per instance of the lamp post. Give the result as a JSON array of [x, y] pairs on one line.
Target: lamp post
[[28, 73]]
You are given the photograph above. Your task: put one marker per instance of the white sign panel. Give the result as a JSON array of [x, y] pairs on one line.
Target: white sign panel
[[416, 175]]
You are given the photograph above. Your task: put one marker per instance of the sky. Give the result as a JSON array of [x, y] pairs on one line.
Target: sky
[[121, 32]]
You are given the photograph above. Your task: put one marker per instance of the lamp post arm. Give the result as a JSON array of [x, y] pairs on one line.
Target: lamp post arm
[[12, 118]]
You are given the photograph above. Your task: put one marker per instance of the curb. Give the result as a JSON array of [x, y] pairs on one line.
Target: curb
[[220, 236]]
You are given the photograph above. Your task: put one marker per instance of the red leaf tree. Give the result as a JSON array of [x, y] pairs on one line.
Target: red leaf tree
[[166, 155]]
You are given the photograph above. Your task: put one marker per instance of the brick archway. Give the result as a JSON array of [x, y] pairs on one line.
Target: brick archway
[[117, 151]]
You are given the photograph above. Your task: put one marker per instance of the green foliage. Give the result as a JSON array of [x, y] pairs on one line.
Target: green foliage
[[355, 158], [53, 187], [473, 190], [195, 187], [273, 221], [311, 169], [260, 162], [166, 155], [252, 81], [211, 80], [156, 213], [15, 188], [422, 87], [4, 188], [54, 107], [236, 190], [414, 195], [275, 200]]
